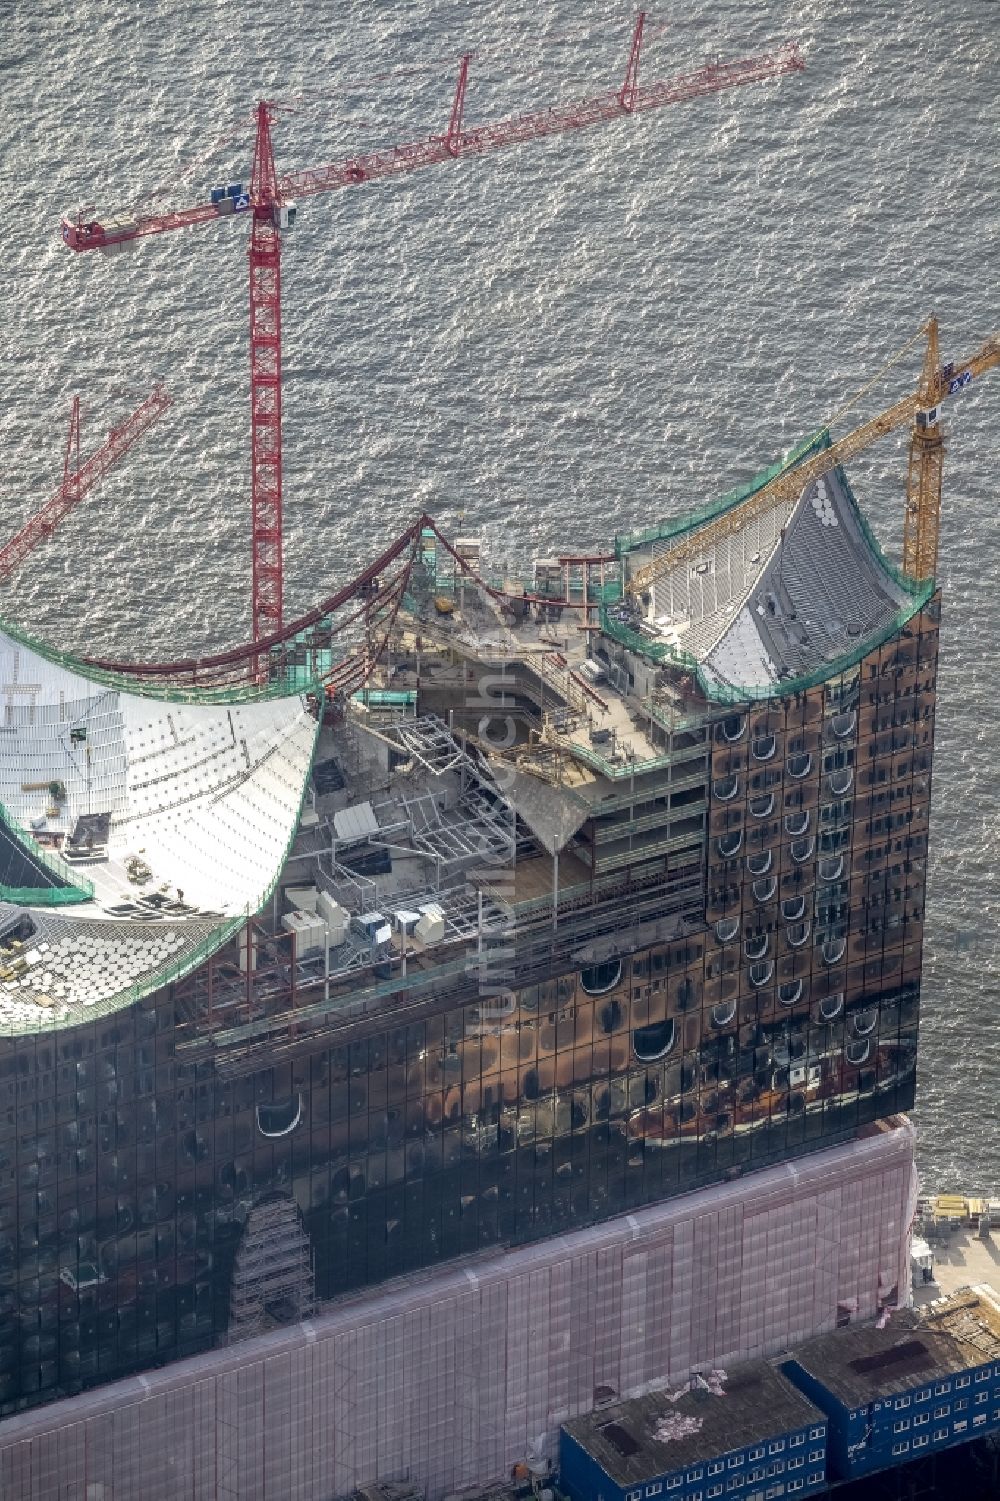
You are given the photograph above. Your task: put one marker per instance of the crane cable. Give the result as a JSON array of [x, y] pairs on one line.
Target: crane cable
[[862, 391]]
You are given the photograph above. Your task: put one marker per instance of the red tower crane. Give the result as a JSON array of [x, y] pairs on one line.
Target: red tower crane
[[79, 478], [271, 203]]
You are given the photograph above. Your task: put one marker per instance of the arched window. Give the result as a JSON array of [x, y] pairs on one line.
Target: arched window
[[789, 992], [755, 945], [733, 728], [726, 788], [842, 725], [761, 972], [723, 1013], [797, 823], [653, 1042], [759, 865], [793, 907], [830, 867], [764, 890], [798, 934], [727, 928], [831, 1006], [841, 781], [762, 747], [833, 950], [802, 849], [761, 806], [600, 978], [799, 765], [281, 1117], [865, 1022], [856, 1052], [730, 844]]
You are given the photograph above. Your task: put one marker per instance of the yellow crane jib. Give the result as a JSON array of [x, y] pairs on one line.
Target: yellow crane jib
[[921, 410]]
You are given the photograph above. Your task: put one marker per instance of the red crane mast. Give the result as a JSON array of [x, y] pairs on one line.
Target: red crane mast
[[271, 203], [79, 478]]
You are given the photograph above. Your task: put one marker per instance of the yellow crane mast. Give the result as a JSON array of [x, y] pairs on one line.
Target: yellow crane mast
[[921, 409]]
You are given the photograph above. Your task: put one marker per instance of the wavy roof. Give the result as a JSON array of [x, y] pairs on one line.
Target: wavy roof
[[137, 832]]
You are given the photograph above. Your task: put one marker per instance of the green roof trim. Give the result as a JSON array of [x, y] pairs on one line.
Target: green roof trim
[[918, 592], [678, 526]]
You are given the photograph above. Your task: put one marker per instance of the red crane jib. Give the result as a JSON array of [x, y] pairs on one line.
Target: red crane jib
[[77, 482], [92, 234], [268, 202]]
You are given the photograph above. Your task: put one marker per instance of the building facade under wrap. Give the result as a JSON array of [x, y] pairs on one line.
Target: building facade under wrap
[[305, 991], [459, 1374]]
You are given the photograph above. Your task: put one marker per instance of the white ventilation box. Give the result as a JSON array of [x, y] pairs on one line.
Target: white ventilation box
[[302, 898], [335, 917], [308, 928], [430, 928]]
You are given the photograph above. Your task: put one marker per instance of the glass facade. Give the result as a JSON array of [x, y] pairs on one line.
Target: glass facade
[[132, 1163]]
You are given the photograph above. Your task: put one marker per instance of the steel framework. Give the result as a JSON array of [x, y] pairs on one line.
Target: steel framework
[[921, 409], [78, 479]]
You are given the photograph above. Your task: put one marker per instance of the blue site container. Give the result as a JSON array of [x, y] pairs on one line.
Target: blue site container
[[234, 190], [218, 194]]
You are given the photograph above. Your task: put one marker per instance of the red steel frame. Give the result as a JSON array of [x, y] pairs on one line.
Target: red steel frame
[[265, 383], [79, 478], [270, 194]]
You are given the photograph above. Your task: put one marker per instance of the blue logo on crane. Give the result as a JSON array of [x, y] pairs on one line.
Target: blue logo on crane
[[241, 203], [959, 382]]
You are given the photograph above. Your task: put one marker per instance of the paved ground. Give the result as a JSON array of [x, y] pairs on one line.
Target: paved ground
[[961, 1259]]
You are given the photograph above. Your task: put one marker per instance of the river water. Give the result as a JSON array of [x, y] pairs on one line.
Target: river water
[[571, 338]]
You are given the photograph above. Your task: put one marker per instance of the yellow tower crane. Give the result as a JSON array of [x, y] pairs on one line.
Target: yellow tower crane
[[922, 409]]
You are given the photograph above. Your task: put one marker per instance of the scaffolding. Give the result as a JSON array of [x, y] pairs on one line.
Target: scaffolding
[[273, 1272]]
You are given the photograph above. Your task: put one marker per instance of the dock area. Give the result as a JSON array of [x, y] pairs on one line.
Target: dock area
[[961, 1237]]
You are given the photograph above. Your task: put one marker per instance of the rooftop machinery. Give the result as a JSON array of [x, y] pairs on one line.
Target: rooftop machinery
[[922, 409], [271, 204]]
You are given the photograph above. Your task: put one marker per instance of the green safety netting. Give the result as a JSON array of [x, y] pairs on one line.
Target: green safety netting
[[676, 526], [71, 887]]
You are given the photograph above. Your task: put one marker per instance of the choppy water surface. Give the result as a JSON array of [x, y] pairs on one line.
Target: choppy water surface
[[579, 336]]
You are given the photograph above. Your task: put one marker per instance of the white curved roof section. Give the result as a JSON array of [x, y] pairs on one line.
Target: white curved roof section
[[178, 816]]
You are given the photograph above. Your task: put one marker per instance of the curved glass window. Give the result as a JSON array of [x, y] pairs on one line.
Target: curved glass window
[[842, 725], [798, 934], [800, 765], [755, 945], [762, 747], [857, 1051], [727, 928], [865, 1021], [281, 1117], [833, 949], [759, 865], [831, 1006], [797, 823], [729, 845], [600, 978], [793, 907], [764, 890], [801, 849], [761, 806], [789, 992], [726, 788], [842, 780], [723, 1013], [830, 867], [653, 1042], [761, 972], [733, 727]]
